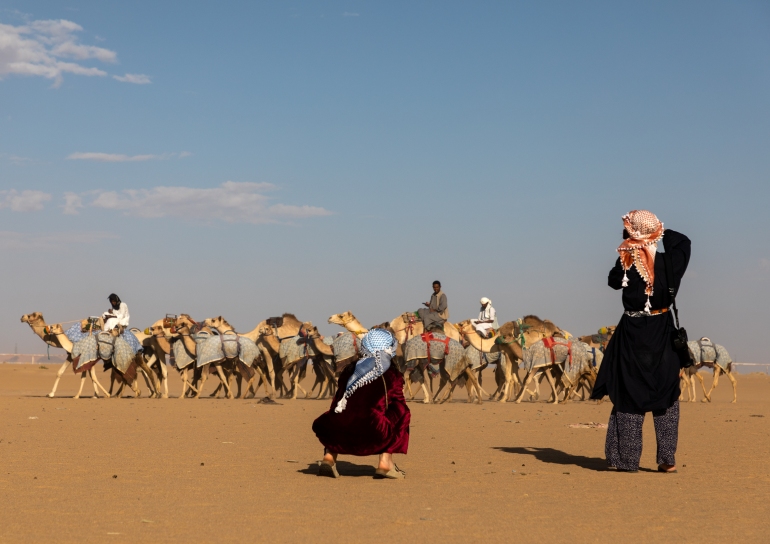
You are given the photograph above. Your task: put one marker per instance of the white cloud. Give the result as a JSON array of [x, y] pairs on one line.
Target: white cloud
[[72, 203], [139, 79], [231, 202], [24, 201], [46, 241], [119, 157], [51, 49]]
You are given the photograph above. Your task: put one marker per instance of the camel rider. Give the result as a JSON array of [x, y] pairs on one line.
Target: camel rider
[[486, 324], [117, 315], [437, 311]]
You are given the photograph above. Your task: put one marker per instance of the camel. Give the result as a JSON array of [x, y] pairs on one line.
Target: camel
[[510, 339], [324, 366], [448, 354], [551, 353], [297, 351], [149, 358], [230, 348], [38, 325], [112, 349], [163, 335], [65, 343], [267, 336], [705, 353], [349, 321], [599, 340]]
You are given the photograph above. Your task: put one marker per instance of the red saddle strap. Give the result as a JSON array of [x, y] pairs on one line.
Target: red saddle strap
[[428, 337], [550, 342]]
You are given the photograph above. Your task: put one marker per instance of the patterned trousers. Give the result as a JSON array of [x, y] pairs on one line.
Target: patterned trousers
[[624, 438]]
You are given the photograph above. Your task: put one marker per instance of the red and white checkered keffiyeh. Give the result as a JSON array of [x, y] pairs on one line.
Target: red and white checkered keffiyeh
[[644, 230]]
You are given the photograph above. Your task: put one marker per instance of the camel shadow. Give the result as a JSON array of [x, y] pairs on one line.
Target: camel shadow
[[345, 468], [558, 457]]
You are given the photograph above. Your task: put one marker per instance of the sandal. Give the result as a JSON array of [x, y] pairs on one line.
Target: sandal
[[325, 468], [393, 474]]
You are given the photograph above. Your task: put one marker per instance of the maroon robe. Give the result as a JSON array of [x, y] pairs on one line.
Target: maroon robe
[[365, 426]]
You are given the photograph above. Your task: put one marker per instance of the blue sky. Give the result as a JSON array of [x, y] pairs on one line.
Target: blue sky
[[250, 158]]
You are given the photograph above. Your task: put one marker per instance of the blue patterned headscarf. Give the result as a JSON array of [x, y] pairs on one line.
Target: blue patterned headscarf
[[377, 348]]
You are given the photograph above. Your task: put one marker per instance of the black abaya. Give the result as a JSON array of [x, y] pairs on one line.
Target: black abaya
[[640, 370]]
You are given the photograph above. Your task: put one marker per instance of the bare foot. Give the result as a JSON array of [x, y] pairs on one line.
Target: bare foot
[[666, 468]]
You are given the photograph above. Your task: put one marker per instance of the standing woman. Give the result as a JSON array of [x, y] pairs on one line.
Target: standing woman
[[369, 415], [640, 371]]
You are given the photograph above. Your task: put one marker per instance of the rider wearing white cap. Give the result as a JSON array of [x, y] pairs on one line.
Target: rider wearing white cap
[[487, 321]]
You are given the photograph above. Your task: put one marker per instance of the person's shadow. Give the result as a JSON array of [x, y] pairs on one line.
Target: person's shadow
[[345, 468], [558, 457]]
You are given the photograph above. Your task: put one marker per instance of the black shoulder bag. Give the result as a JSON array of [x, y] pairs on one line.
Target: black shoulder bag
[[679, 336]]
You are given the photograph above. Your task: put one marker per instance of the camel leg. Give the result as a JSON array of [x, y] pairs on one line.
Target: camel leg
[[525, 384], [82, 383], [164, 378], [717, 372], [184, 382], [204, 373], [59, 374], [96, 383], [732, 379], [552, 383], [471, 375], [225, 381], [442, 384]]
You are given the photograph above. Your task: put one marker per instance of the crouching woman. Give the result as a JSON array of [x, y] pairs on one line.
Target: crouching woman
[[369, 415]]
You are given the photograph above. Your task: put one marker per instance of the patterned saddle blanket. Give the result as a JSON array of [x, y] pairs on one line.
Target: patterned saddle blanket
[[476, 358], [345, 346], [595, 356], [75, 334], [182, 357], [103, 346], [295, 349], [454, 361], [569, 355], [706, 351], [217, 348]]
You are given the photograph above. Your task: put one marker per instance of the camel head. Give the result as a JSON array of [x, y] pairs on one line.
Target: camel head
[[217, 322], [184, 320], [158, 330], [465, 327], [342, 319], [33, 319]]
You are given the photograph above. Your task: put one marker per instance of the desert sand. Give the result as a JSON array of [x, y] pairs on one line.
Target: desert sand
[[170, 470]]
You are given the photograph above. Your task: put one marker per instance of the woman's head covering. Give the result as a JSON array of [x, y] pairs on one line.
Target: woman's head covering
[[485, 300], [116, 298], [644, 231], [377, 348]]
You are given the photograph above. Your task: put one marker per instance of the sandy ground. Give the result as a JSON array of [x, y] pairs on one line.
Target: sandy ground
[[125, 470]]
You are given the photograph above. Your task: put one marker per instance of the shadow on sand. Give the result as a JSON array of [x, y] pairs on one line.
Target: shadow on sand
[[344, 468], [558, 457]]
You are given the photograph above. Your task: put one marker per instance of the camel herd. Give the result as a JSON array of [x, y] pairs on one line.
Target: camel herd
[[275, 354]]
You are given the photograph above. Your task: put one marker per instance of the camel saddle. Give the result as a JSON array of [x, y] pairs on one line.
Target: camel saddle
[[550, 342]]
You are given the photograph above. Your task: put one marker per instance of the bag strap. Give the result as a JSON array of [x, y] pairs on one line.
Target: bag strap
[[670, 282]]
